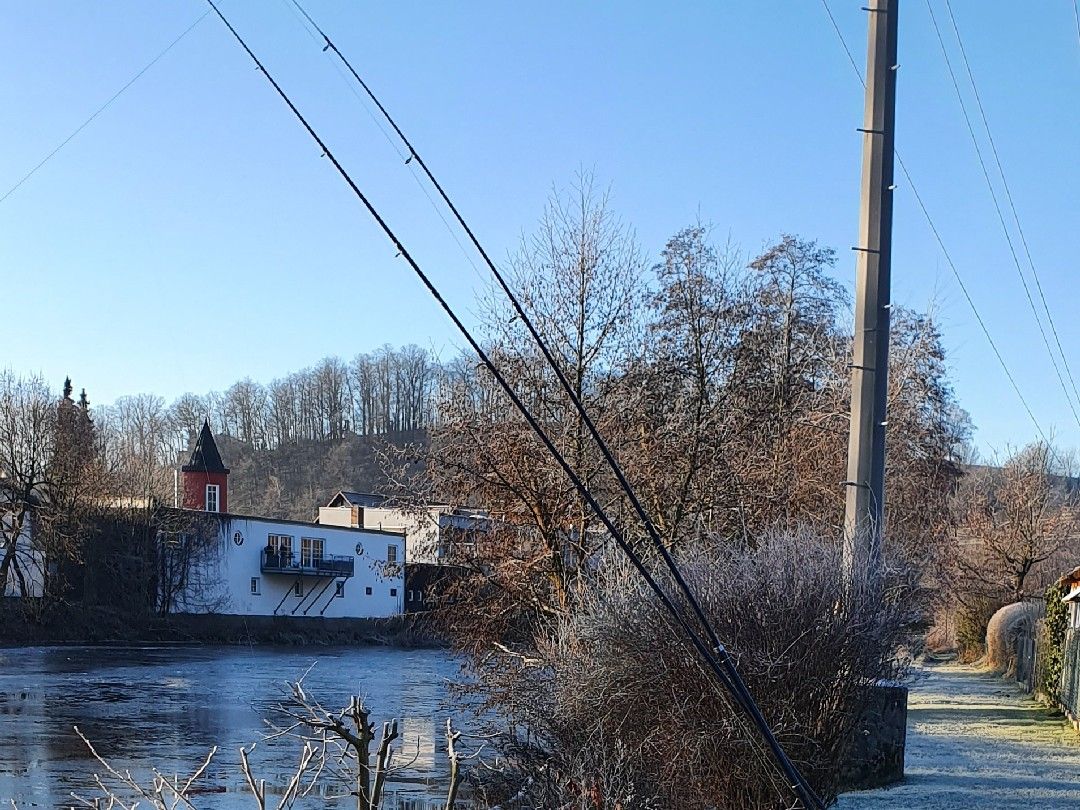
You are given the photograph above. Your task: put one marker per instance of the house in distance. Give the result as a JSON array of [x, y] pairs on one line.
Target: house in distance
[[440, 537], [261, 566]]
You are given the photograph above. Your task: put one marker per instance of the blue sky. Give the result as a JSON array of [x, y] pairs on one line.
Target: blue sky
[[192, 235]]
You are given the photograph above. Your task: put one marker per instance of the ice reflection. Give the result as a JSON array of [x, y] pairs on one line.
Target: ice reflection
[[167, 706]]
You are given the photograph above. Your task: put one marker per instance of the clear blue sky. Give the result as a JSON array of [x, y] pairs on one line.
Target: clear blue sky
[[192, 235]]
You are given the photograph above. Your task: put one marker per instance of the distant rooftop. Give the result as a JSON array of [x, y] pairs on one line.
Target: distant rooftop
[[348, 498], [205, 457]]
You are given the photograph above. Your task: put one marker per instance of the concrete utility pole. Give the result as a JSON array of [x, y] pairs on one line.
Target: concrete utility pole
[[870, 364]]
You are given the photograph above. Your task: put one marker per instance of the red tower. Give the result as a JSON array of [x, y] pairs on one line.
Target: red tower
[[206, 478]]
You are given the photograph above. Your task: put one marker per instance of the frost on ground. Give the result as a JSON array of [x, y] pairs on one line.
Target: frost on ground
[[974, 740]]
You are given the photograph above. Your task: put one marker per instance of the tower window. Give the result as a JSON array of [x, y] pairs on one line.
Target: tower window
[[339, 589], [213, 500], [391, 553], [298, 588], [393, 591], [255, 585]]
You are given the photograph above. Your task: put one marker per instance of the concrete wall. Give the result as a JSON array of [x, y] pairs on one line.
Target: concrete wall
[[223, 581]]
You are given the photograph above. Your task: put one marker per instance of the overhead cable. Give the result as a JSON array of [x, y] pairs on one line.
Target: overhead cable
[[941, 244], [101, 109], [1012, 206], [997, 202]]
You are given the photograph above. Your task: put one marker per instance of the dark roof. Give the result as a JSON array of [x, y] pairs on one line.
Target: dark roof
[[205, 457], [357, 499]]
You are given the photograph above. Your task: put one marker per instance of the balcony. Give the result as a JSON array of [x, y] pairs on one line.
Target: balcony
[[287, 562]]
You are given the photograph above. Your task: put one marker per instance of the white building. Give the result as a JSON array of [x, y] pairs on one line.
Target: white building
[[26, 563], [433, 531], [256, 566]]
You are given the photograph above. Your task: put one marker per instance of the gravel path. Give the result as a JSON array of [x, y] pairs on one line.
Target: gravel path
[[974, 741]]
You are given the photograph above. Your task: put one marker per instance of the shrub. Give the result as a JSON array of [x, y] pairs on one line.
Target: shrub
[[971, 620], [618, 690], [1004, 628]]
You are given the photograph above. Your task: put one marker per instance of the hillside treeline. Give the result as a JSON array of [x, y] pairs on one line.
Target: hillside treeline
[[386, 391]]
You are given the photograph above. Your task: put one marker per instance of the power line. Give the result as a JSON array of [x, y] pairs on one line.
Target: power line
[[997, 202], [723, 669], [941, 243], [1012, 204], [102, 108], [1076, 16]]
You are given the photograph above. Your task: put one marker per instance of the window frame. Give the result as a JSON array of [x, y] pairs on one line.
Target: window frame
[[308, 547], [391, 553], [216, 489], [298, 588], [256, 586], [275, 544], [339, 589]]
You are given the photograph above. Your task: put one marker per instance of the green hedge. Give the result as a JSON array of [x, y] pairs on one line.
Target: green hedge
[[1056, 622]]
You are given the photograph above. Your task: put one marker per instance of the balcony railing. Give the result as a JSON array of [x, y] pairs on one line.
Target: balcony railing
[[288, 562]]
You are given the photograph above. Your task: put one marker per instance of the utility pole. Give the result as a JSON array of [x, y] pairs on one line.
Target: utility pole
[[870, 363]]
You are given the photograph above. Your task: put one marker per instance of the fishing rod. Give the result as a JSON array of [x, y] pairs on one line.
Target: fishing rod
[[723, 673], [527, 322], [564, 382]]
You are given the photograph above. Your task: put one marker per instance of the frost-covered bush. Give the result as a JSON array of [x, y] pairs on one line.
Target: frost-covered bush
[[618, 691], [1002, 631]]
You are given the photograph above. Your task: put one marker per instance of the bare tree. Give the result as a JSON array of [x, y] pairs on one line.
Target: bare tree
[[47, 477], [1013, 519]]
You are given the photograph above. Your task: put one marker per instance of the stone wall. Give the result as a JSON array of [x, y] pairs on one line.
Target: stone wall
[[876, 757]]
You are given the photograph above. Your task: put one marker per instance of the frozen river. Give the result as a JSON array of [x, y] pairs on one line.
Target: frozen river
[[167, 706]]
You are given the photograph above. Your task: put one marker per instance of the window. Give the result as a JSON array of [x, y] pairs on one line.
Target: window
[[255, 585], [298, 588], [212, 498], [367, 591], [393, 591], [278, 551], [311, 551], [339, 590], [279, 543], [410, 595], [391, 553]]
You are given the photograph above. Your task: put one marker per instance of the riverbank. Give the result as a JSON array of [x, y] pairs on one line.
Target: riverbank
[[76, 625], [974, 740]]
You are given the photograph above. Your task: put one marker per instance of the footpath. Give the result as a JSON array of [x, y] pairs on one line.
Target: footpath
[[975, 741]]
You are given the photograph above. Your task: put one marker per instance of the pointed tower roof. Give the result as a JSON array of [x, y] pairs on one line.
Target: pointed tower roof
[[205, 457]]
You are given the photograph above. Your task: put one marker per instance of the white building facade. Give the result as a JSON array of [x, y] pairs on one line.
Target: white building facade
[[433, 531], [255, 566], [266, 567]]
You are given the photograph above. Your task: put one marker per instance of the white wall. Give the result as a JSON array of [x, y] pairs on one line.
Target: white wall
[[224, 583], [30, 560], [422, 529]]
